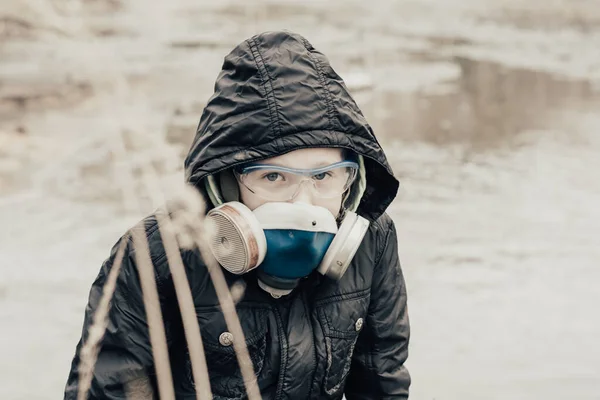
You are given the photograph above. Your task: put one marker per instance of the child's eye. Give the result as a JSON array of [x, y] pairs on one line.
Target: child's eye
[[272, 177], [320, 177]]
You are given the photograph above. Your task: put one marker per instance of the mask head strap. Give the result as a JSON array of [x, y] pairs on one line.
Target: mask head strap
[[229, 186]]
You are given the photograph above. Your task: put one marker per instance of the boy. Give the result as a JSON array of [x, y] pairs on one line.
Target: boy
[[281, 143]]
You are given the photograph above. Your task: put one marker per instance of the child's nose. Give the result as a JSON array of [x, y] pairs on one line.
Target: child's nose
[[304, 193]]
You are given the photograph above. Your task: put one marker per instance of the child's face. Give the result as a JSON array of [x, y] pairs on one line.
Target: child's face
[[301, 159]]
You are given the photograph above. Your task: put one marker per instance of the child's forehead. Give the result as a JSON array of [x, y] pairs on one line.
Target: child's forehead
[[307, 158]]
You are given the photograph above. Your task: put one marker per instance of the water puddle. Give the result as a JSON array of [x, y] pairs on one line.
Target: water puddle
[[482, 105]]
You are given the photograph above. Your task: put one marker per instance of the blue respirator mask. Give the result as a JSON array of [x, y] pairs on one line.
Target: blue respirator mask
[[285, 241]]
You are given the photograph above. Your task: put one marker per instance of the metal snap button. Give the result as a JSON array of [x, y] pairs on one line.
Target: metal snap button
[[226, 339], [359, 324]]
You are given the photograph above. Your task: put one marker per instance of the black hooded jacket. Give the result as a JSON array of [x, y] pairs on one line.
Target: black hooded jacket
[[275, 94]]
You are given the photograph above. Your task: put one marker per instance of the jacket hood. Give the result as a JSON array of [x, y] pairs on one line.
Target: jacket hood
[[276, 93]]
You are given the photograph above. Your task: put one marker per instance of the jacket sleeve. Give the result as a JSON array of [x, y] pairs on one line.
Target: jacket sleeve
[[377, 370], [125, 354]]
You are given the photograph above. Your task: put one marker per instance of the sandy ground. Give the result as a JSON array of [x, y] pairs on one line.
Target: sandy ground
[[488, 111]]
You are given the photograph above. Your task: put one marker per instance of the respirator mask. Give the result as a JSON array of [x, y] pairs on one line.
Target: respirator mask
[[285, 241]]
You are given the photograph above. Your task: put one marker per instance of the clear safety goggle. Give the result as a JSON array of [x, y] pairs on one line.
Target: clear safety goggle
[[277, 183]]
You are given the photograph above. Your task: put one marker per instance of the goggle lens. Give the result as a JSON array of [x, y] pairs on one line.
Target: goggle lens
[[278, 183]]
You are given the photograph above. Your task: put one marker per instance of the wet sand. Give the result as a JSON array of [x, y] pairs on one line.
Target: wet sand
[[488, 112]]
